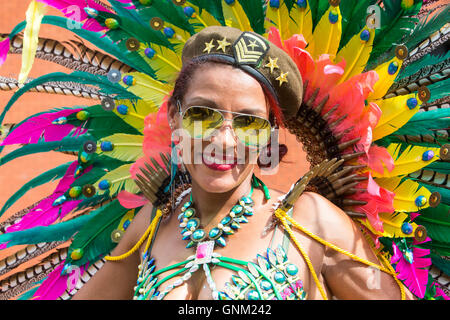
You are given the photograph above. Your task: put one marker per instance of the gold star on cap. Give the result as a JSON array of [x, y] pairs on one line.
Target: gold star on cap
[[252, 44], [209, 46], [272, 64], [282, 78], [223, 44]]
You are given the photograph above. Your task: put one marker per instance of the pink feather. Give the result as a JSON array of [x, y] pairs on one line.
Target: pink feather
[[55, 284], [45, 213], [130, 200], [34, 128], [74, 9], [415, 274], [4, 49]]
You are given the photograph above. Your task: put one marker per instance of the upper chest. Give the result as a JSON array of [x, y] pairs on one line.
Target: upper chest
[[245, 267]]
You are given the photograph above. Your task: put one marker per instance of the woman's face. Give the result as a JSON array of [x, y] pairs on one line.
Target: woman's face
[[221, 162]]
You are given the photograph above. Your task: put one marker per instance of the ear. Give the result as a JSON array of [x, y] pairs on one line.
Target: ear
[[172, 114]]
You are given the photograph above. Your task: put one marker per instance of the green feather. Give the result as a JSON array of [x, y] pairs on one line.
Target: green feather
[[426, 27], [165, 10], [354, 14], [438, 90], [77, 76], [424, 64], [396, 23], [439, 166], [426, 123], [254, 11], [318, 9], [50, 175], [95, 237], [62, 231], [436, 221], [214, 7], [444, 192], [66, 144], [103, 123]]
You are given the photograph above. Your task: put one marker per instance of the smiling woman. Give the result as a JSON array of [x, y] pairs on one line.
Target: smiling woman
[[167, 198]]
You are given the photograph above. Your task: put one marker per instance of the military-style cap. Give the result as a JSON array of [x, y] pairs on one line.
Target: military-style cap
[[263, 60]]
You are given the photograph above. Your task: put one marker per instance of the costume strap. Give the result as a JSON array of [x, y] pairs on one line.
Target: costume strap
[[149, 233]]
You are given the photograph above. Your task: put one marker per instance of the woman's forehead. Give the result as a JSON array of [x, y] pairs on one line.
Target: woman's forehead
[[225, 87]]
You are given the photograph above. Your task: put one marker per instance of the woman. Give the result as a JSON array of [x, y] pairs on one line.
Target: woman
[[209, 86]]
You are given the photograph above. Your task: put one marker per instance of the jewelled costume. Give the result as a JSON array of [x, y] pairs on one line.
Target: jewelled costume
[[374, 122]]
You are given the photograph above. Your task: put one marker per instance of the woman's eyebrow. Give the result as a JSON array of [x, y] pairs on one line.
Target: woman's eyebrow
[[212, 104]]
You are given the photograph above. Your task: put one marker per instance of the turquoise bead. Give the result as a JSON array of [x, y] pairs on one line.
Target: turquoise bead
[[92, 13], [198, 235], [221, 241], [126, 224], [190, 244], [265, 285], [235, 225], [365, 35], [60, 120], [291, 269], [279, 277], [407, 228], [301, 3], [333, 17], [106, 146], [393, 67], [248, 212], [85, 157], [149, 53], [253, 295], [241, 219], [192, 223], [104, 184], [59, 200], [129, 80], [428, 155], [275, 3], [189, 213], [189, 11], [411, 103], [420, 201], [187, 204], [229, 1], [122, 109], [248, 201], [214, 232], [225, 220], [169, 32], [237, 209]]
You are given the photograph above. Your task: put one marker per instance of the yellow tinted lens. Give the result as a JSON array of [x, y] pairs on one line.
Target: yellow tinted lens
[[200, 122], [252, 131]]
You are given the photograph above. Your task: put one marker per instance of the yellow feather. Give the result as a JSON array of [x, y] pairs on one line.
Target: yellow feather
[[126, 147], [165, 62], [356, 54], [408, 161], [148, 88], [117, 179], [405, 193], [137, 111], [327, 35], [392, 225], [203, 20], [385, 80], [276, 17], [301, 21], [236, 16], [35, 12], [395, 113]]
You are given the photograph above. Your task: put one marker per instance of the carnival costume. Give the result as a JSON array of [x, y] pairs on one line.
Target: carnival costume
[[363, 91]]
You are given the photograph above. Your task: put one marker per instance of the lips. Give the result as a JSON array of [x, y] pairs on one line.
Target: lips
[[220, 163]]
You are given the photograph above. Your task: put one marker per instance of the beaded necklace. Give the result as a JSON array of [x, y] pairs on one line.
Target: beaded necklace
[[227, 226]]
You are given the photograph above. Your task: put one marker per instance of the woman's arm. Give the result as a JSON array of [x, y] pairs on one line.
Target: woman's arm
[[345, 277], [116, 279]]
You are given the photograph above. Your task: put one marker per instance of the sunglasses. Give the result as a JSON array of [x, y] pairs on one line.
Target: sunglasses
[[201, 122]]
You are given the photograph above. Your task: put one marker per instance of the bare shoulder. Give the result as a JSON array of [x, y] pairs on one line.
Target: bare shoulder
[[323, 217]]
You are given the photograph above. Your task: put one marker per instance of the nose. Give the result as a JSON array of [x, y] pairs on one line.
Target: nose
[[224, 136]]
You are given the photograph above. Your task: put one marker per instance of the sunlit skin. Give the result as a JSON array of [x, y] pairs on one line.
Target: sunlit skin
[[215, 192]]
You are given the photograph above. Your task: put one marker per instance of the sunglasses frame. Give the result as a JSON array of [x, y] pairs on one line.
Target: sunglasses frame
[[221, 112]]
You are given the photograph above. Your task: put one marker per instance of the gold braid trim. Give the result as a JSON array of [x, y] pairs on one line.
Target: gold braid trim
[[284, 218], [149, 233]]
